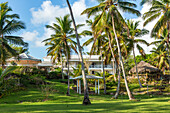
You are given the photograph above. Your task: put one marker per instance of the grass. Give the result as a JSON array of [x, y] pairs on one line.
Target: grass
[[32, 100]]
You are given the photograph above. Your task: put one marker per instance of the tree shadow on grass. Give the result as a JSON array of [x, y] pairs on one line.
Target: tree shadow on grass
[[78, 107]]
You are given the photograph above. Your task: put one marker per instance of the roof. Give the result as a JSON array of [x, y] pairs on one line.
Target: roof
[[144, 67], [25, 56], [87, 76]]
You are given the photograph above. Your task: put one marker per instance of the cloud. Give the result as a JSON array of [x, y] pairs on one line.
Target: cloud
[[149, 27], [47, 12], [30, 36], [46, 15]]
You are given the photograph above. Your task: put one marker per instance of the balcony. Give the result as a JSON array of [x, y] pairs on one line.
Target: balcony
[[100, 66], [91, 67]]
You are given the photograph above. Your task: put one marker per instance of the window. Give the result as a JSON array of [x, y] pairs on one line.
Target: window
[[93, 72]]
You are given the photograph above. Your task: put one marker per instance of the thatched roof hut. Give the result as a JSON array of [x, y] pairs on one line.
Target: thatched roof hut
[[144, 67]]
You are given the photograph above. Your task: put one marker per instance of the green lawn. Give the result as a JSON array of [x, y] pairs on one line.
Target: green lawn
[[32, 100]]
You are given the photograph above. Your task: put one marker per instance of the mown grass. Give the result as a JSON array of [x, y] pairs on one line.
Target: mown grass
[[33, 100]]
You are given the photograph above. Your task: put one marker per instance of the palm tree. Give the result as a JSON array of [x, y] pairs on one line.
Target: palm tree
[[133, 33], [161, 49], [160, 55], [8, 25], [97, 48], [160, 8], [86, 100], [111, 7], [56, 52], [61, 42]]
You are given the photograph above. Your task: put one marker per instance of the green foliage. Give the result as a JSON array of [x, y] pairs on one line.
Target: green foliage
[[9, 24], [77, 71], [6, 71], [54, 75], [21, 78]]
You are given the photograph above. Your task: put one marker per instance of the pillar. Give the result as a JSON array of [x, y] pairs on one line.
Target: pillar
[[79, 86], [98, 87], [95, 86]]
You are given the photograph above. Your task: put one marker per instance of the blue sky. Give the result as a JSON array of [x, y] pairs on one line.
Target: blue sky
[[38, 13]]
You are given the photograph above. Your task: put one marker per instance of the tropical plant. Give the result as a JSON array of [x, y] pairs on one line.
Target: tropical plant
[[133, 33], [61, 42], [9, 24], [159, 9], [111, 7], [86, 100], [6, 71], [161, 57], [97, 46], [161, 50]]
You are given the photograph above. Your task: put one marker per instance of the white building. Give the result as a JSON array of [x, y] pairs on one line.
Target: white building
[[93, 63]]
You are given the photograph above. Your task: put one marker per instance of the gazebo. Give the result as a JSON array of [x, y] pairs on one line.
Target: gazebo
[[144, 67], [87, 77]]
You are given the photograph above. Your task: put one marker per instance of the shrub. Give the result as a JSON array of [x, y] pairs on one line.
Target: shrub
[[54, 75]]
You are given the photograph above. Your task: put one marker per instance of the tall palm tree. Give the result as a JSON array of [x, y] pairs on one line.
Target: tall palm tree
[[9, 24], [86, 100], [56, 52], [97, 48], [62, 41], [159, 8], [111, 7], [133, 33]]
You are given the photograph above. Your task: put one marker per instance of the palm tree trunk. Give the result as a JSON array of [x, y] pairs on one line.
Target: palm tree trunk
[[68, 89], [118, 86], [62, 66], [86, 100], [136, 68], [2, 54], [121, 61], [110, 46], [103, 74], [168, 27]]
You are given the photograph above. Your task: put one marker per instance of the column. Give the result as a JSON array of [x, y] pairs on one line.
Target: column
[[77, 87], [95, 86], [98, 87]]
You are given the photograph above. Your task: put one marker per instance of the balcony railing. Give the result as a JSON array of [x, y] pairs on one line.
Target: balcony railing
[[100, 66], [92, 66]]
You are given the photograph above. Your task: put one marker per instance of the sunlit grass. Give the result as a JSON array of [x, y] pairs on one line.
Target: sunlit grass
[[32, 100]]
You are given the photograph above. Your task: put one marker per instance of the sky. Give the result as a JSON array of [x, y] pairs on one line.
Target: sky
[[38, 13]]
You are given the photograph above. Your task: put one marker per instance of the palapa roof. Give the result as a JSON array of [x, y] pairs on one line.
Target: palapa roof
[[144, 67], [88, 77]]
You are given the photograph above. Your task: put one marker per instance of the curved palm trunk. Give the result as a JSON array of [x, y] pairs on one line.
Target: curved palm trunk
[[86, 100], [136, 68], [121, 61], [103, 74], [118, 85], [110, 46], [68, 89]]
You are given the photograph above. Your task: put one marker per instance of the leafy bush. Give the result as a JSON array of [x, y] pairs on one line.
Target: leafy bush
[[54, 75]]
